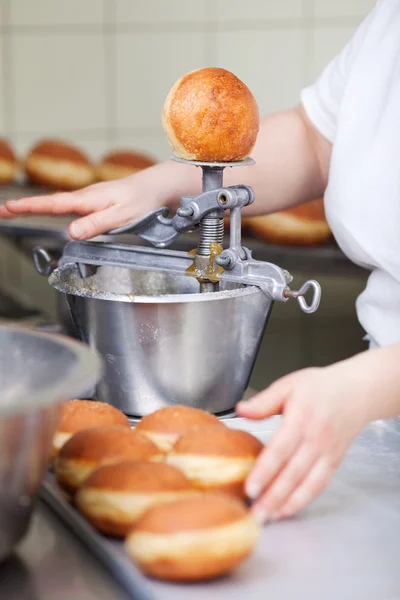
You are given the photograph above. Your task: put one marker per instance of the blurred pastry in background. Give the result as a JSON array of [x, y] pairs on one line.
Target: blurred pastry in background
[[122, 163], [115, 496], [91, 448], [216, 458], [59, 165], [193, 539], [166, 425], [304, 225], [77, 415], [8, 163]]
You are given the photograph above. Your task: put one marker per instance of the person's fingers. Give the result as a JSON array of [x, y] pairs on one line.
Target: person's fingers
[[274, 497], [53, 204], [273, 458], [98, 222], [267, 403], [81, 202], [315, 482], [5, 213]]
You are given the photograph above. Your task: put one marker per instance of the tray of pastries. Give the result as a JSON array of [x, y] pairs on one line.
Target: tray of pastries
[[163, 500]]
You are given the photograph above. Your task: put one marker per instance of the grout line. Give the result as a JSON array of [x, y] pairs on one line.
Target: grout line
[[308, 7], [12, 268], [8, 80], [210, 34], [187, 27], [109, 38], [95, 134]]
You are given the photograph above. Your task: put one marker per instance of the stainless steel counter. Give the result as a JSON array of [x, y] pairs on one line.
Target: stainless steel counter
[[344, 546]]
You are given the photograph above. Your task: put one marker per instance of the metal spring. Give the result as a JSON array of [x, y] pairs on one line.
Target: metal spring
[[211, 230]]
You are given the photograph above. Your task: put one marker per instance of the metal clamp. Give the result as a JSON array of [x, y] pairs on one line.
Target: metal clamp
[[43, 262], [299, 295]]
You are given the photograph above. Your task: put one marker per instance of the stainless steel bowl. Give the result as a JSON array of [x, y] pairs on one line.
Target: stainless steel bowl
[[162, 341], [37, 372]]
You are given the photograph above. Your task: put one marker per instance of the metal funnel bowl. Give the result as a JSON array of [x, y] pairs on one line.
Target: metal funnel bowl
[[37, 372], [162, 341]]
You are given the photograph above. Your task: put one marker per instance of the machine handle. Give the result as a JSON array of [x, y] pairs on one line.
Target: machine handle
[[43, 262], [299, 295]]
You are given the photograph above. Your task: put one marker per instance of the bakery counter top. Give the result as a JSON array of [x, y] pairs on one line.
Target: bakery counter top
[[346, 545]]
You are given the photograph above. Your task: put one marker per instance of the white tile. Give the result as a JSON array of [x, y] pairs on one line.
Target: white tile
[[156, 11], [3, 91], [55, 12], [270, 63], [147, 65], [237, 10], [327, 42], [342, 8], [155, 145], [59, 82], [93, 148]]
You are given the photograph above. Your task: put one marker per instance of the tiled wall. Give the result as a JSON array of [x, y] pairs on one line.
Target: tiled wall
[[97, 71]]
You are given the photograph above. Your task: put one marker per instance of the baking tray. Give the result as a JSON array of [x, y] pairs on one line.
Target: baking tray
[[109, 551]]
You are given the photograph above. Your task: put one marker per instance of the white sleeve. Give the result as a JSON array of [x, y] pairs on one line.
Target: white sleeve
[[321, 101]]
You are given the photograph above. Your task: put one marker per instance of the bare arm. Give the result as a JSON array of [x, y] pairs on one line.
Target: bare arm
[[292, 163], [292, 167]]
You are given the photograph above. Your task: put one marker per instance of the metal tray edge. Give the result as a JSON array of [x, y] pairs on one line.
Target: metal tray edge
[[123, 570]]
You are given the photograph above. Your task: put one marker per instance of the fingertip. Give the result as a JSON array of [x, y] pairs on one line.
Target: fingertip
[[252, 489], [76, 231]]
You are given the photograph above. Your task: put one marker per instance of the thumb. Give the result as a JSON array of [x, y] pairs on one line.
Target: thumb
[[267, 403]]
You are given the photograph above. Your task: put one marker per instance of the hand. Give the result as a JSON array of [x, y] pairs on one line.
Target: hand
[[113, 204], [103, 206], [323, 410]]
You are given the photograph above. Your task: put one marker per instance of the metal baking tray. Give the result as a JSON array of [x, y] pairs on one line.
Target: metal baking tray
[[109, 551]]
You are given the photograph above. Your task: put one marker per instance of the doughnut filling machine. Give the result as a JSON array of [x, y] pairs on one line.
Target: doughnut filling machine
[[175, 327]]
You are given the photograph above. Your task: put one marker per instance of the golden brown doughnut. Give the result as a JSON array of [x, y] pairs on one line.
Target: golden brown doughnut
[[82, 414], [304, 225], [166, 425], [122, 163], [216, 458], [8, 163], [115, 496], [90, 448], [210, 115], [58, 165], [193, 539]]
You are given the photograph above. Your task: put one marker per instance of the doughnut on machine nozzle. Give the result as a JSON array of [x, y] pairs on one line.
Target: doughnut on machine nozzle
[[175, 327]]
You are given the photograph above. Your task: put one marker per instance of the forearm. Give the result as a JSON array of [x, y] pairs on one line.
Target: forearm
[[292, 163], [376, 374]]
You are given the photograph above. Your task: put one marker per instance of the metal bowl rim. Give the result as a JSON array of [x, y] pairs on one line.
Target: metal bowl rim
[[65, 288], [83, 375]]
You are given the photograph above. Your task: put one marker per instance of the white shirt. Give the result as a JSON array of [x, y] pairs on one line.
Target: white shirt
[[355, 104]]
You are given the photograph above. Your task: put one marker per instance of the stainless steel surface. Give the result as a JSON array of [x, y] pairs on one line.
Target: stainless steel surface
[[51, 564], [109, 551], [163, 342], [345, 546], [246, 162], [37, 372]]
